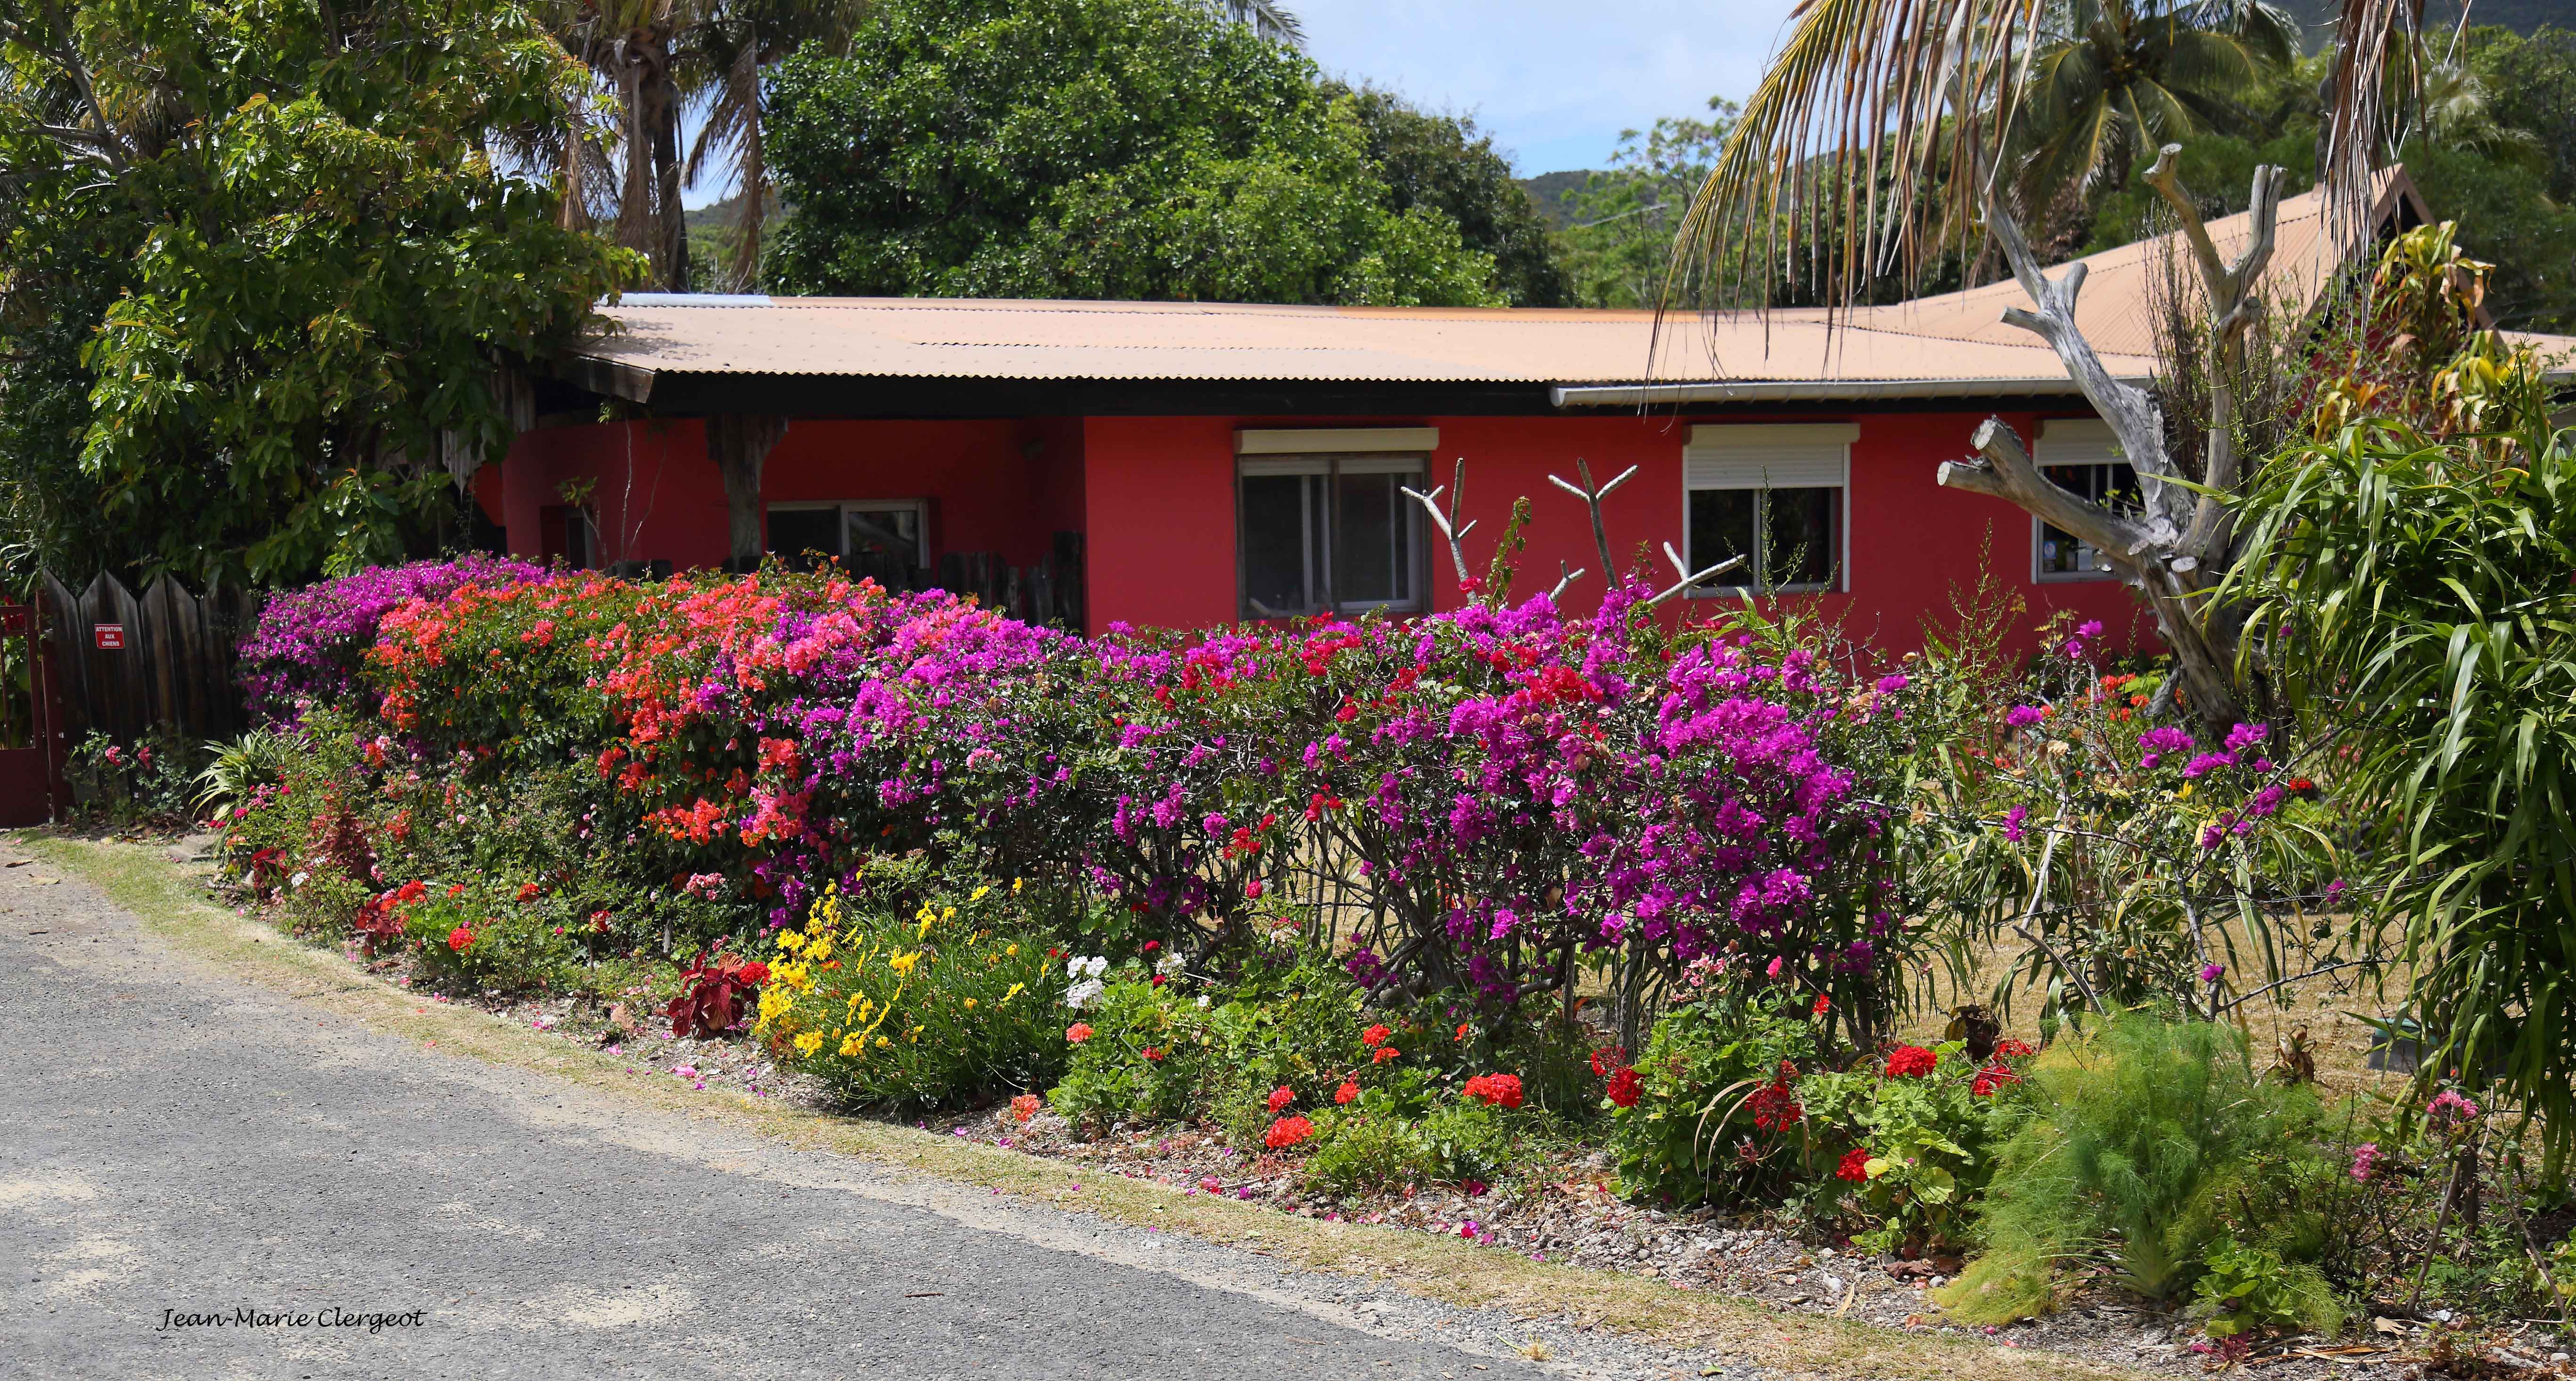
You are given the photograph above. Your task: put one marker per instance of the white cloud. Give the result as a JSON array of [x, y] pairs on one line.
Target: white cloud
[[1553, 82]]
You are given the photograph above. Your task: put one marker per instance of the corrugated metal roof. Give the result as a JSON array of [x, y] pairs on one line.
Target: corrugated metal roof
[[1948, 342]]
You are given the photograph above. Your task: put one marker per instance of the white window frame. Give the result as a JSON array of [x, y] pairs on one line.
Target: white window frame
[[1764, 457], [843, 508], [2071, 441], [1333, 452]]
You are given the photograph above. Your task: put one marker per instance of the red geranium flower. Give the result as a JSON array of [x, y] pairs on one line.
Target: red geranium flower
[[1281, 1097], [1822, 1002], [1287, 1132], [1992, 1077], [2011, 1049], [459, 938], [1624, 1086], [1855, 1166], [1153, 1052], [1375, 1036], [1463, 1029], [1497, 1090], [1911, 1062], [1024, 1107], [1078, 1032], [1385, 1053], [1349, 1090], [527, 891]]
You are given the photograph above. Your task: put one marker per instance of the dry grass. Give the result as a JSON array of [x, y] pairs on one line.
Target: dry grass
[[172, 908]]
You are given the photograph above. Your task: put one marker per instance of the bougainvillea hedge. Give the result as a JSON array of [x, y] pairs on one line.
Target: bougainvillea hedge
[[1484, 801]]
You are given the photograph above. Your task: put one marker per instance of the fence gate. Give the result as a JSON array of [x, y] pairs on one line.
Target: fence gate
[[31, 740], [129, 665]]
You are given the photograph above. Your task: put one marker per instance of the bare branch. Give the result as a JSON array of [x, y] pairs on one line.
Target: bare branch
[[1592, 498], [2006, 472], [1688, 577], [1564, 578], [1447, 522]]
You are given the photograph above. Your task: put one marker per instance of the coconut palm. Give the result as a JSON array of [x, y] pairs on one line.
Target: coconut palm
[[722, 58], [1268, 18], [629, 44], [1897, 117], [2114, 80]]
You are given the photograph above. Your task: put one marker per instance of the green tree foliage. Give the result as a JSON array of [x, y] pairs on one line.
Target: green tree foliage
[[1621, 221], [1444, 163], [320, 263], [1141, 149]]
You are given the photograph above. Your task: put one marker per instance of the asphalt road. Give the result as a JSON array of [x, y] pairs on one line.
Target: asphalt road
[[175, 1142]]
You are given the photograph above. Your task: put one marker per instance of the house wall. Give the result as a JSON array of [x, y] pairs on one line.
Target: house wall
[[1155, 498], [999, 486], [1161, 522]]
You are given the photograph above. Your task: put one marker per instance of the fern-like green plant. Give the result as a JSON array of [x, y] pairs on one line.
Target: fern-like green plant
[[240, 767], [2150, 1143]]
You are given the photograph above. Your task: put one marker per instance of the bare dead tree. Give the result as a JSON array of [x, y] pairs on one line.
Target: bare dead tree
[[1447, 522], [2180, 543]]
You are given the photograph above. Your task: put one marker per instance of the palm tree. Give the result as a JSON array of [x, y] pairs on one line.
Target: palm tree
[[1268, 18], [628, 43], [723, 57], [2115, 80]]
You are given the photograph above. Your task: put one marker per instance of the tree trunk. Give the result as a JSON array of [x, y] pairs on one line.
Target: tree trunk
[[2182, 542], [738, 442], [672, 221]]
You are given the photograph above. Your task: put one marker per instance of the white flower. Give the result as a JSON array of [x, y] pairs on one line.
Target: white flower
[[1082, 968], [1168, 965], [1203, 1000], [298, 880], [1084, 993]]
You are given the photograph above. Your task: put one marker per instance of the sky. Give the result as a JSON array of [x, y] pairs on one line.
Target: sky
[[1554, 82]]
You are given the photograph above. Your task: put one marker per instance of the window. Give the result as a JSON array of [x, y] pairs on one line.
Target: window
[[2081, 456], [1330, 529], [1772, 495], [866, 533]]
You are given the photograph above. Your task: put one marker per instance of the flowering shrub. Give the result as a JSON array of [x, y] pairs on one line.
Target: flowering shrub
[[1704, 1122], [955, 1000], [150, 779], [308, 643], [1911, 1140]]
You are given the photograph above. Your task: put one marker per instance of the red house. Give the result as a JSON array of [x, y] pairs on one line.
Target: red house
[[1198, 463]]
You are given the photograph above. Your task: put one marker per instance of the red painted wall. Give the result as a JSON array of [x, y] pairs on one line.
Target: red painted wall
[[1000, 486], [1162, 525], [1155, 498]]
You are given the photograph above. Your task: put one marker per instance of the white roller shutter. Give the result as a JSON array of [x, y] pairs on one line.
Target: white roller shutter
[[1805, 456], [2078, 441]]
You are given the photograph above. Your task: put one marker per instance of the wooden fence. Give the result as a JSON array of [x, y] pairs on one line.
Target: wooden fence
[[128, 664]]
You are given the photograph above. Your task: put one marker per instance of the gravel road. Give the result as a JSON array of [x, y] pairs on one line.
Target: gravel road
[[178, 1142]]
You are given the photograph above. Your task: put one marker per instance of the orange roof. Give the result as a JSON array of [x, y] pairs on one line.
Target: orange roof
[[1954, 343]]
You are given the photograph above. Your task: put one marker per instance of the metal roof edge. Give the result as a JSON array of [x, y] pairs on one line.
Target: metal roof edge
[[1822, 390]]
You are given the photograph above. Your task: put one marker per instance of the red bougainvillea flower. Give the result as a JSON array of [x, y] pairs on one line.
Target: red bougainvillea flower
[[1624, 1086], [459, 938], [1287, 1132], [1384, 1054], [1822, 1002], [1079, 1032], [1024, 1107], [527, 891], [2011, 1049], [1992, 1077], [1349, 1090], [1281, 1097], [1855, 1166], [1375, 1036], [1911, 1062], [1496, 1090]]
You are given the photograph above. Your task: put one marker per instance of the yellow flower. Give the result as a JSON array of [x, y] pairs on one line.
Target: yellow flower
[[948, 915], [791, 941], [851, 1045], [1015, 887], [1012, 950], [1016, 990], [882, 1042], [970, 1004], [808, 1043], [978, 894], [903, 964]]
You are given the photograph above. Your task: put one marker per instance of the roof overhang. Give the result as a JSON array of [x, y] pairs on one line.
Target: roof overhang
[[1804, 390]]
